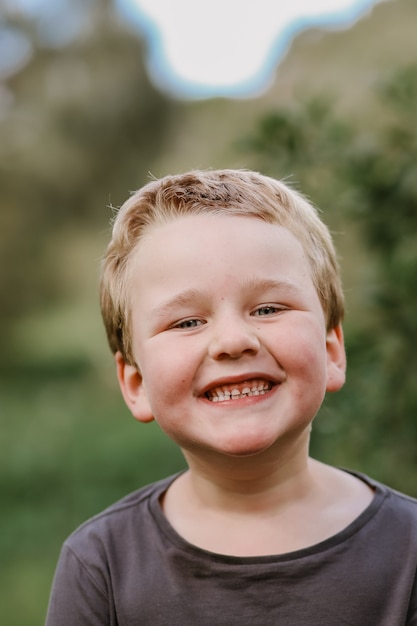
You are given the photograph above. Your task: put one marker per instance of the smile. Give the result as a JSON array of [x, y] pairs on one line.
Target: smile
[[236, 391]]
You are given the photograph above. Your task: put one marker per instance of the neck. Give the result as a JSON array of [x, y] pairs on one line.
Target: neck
[[252, 507], [249, 483]]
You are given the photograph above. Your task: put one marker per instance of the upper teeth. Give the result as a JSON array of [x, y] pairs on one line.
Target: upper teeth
[[241, 390]]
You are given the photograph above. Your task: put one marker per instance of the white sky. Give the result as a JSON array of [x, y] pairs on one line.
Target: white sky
[[200, 48]]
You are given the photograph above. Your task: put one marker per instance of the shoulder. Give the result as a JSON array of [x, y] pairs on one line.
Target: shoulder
[[400, 501], [120, 520], [386, 489], [394, 506]]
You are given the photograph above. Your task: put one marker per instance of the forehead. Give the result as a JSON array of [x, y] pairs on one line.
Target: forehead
[[197, 245], [177, 227], [235, 227]]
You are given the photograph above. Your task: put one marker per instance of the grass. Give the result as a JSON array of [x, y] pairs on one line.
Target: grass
[[70, 449]]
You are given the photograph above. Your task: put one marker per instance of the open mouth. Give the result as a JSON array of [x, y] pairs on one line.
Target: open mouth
[[236, 391]]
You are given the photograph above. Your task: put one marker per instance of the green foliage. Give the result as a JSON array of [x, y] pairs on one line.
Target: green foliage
[[83, 129], [368, 178], [69, 449], [385, 179]]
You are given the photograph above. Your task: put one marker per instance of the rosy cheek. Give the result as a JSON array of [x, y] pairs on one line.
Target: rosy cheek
[[168, 385], [306, 354]]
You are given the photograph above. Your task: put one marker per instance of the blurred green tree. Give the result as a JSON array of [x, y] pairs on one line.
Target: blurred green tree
[[83, 125], [382, 171], [305, 143]]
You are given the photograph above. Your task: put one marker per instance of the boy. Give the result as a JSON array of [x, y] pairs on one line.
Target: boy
[[222, 302]]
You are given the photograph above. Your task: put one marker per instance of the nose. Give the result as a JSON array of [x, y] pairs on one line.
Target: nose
[[233, 338]]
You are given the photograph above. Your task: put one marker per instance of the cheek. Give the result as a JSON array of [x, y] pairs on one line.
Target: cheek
[[307, 378], [305, 347], [167, 374], [168, 391]]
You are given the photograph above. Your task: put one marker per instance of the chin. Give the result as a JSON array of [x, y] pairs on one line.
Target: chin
[[247, 447]]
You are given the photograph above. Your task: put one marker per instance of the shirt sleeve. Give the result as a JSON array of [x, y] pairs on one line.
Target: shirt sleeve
[[77, 597]]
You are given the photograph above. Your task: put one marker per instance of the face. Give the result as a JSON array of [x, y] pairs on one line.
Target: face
[[229, 336]]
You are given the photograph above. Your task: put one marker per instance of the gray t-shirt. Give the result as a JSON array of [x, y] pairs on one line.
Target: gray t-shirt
[[128, 566]]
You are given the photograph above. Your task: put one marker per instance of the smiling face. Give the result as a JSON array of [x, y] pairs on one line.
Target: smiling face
[[228, 335]]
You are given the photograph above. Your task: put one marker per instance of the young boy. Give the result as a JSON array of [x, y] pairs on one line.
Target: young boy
[[222, 301]]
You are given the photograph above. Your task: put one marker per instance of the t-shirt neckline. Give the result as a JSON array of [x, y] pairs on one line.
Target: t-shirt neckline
[[380, 493]]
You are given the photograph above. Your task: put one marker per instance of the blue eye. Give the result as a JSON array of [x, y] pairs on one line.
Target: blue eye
[[186, 324], [268, 309]]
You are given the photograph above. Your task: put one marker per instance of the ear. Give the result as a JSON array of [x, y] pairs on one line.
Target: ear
[[131, 385], [336, 359]]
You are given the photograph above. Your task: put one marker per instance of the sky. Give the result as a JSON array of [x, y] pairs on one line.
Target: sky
[[208, 48], [196, 49]]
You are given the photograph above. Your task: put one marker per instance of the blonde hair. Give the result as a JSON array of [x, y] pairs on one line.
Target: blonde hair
[[223, 192]]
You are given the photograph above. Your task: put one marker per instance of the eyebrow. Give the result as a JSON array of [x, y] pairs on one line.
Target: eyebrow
[[189, 295], [269, 284], [182, 299]]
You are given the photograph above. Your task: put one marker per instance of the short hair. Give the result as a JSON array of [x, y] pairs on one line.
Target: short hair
[[222, 192]]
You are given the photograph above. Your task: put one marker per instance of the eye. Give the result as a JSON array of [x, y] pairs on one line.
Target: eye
[[267, 309], [188, 324]]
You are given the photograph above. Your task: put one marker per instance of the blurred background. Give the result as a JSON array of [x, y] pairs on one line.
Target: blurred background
[[81, 125]]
